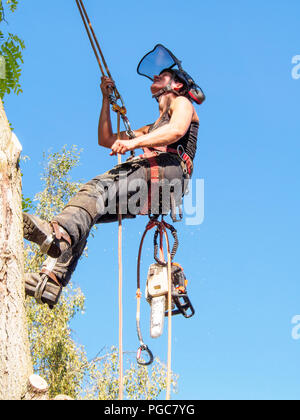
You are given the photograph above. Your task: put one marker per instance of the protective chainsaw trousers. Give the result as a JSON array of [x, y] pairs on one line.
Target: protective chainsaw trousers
[[128, 189]]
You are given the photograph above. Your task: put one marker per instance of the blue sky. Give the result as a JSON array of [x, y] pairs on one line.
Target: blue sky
[[242, 262]]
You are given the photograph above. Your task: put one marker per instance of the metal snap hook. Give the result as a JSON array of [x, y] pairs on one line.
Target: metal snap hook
[[145, 348]]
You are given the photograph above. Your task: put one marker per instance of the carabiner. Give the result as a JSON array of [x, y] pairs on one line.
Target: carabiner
[[145, 348], [181, 153]]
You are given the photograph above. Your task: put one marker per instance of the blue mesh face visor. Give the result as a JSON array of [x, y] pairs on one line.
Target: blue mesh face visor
[[161, 59], [157, 60]]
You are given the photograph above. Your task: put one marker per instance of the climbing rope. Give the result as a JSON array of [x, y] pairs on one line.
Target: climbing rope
[[121, 113], [121, 391], [169, 358], [163, 232], [115, 97]]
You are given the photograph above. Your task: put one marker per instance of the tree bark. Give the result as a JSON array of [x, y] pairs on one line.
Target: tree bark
[[15, 362]]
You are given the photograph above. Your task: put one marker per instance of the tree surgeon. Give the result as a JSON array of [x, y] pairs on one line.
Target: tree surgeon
[[152, 183]]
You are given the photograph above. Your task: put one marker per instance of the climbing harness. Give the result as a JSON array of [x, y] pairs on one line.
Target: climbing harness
[[115, 97], [161, 59], [155, 176]]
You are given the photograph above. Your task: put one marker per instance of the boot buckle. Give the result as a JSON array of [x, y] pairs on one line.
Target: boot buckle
[[47, 244]]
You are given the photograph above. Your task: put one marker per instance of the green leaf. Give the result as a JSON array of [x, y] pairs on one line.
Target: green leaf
[[11, 47]]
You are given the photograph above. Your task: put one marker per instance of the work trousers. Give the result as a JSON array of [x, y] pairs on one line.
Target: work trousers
[[126, 189]]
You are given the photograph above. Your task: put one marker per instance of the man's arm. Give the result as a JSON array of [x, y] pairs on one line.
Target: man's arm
[[182, 115], [106, 137]]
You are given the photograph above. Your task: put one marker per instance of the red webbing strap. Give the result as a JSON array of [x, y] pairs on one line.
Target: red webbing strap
[[164, 149], [151, 150], [51, 275], [153, 178], [184, 157], [60, 233]]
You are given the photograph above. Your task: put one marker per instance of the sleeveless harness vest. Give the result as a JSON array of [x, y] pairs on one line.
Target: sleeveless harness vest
[[184, 149]]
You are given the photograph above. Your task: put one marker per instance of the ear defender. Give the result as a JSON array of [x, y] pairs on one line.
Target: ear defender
[[197, 95]]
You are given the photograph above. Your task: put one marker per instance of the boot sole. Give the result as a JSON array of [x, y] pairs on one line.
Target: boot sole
[[33, 232]]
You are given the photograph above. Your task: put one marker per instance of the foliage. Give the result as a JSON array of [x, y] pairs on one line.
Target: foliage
[[56, 356], [54, 352], [140, 382], [56, 178], [11, 47], [27, 203]]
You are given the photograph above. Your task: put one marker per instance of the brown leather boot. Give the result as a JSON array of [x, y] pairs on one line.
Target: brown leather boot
[[43, 288], [46, 285], [52, 238]]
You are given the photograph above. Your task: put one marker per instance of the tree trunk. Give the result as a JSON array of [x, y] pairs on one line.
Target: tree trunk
[[15, 362]]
